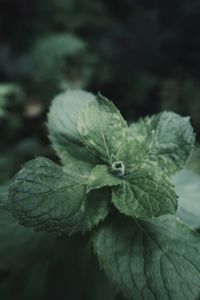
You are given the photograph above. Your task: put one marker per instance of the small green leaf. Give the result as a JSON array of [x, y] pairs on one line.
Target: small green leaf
[[62, 126], [96, 208], [158, 259], [187, 185], [172, 142], [101, 177], [145, 194], [48, 198], [102, 128]]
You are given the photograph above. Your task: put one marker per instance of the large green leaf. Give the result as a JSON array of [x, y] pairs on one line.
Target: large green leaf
[[187, 185], [172, 140], [102, 128], [62, 126], [48, 198], [145, 194], [158, 259]]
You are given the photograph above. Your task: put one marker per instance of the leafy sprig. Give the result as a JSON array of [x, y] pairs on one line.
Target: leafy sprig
[[108, 166]]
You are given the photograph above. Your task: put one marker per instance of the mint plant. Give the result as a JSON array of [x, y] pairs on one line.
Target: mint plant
[[114, 181]]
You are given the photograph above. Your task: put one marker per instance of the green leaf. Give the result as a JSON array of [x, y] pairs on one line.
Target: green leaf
[[133, 153], [158, 259], [187, 185], [48, 198], [101, 177], [172, 142], [62, 126], [102, 128], [145, 194]]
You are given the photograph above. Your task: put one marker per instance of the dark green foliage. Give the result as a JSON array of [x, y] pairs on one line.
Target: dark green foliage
[[142, 54], [140, 244], [47, 266]]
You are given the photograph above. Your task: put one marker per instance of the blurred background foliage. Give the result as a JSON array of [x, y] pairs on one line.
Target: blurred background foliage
[[144, 55]]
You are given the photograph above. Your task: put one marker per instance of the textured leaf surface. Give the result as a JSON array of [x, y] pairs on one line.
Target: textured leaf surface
[[133, 153], [101, 177], [102, 128], [172, 142], [145, 193], [159, 259], [187, 185], [47, 198], [62, 125]]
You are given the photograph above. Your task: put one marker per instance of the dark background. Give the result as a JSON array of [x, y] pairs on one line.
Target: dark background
[[144, 55]]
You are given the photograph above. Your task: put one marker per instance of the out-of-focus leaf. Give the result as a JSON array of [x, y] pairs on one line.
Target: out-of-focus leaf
[[187, 185], [194, 161], [69, 63], [4, 193], [47, 266], [11, 95]]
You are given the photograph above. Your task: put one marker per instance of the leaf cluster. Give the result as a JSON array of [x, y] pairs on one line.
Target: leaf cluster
[[114, 179]]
